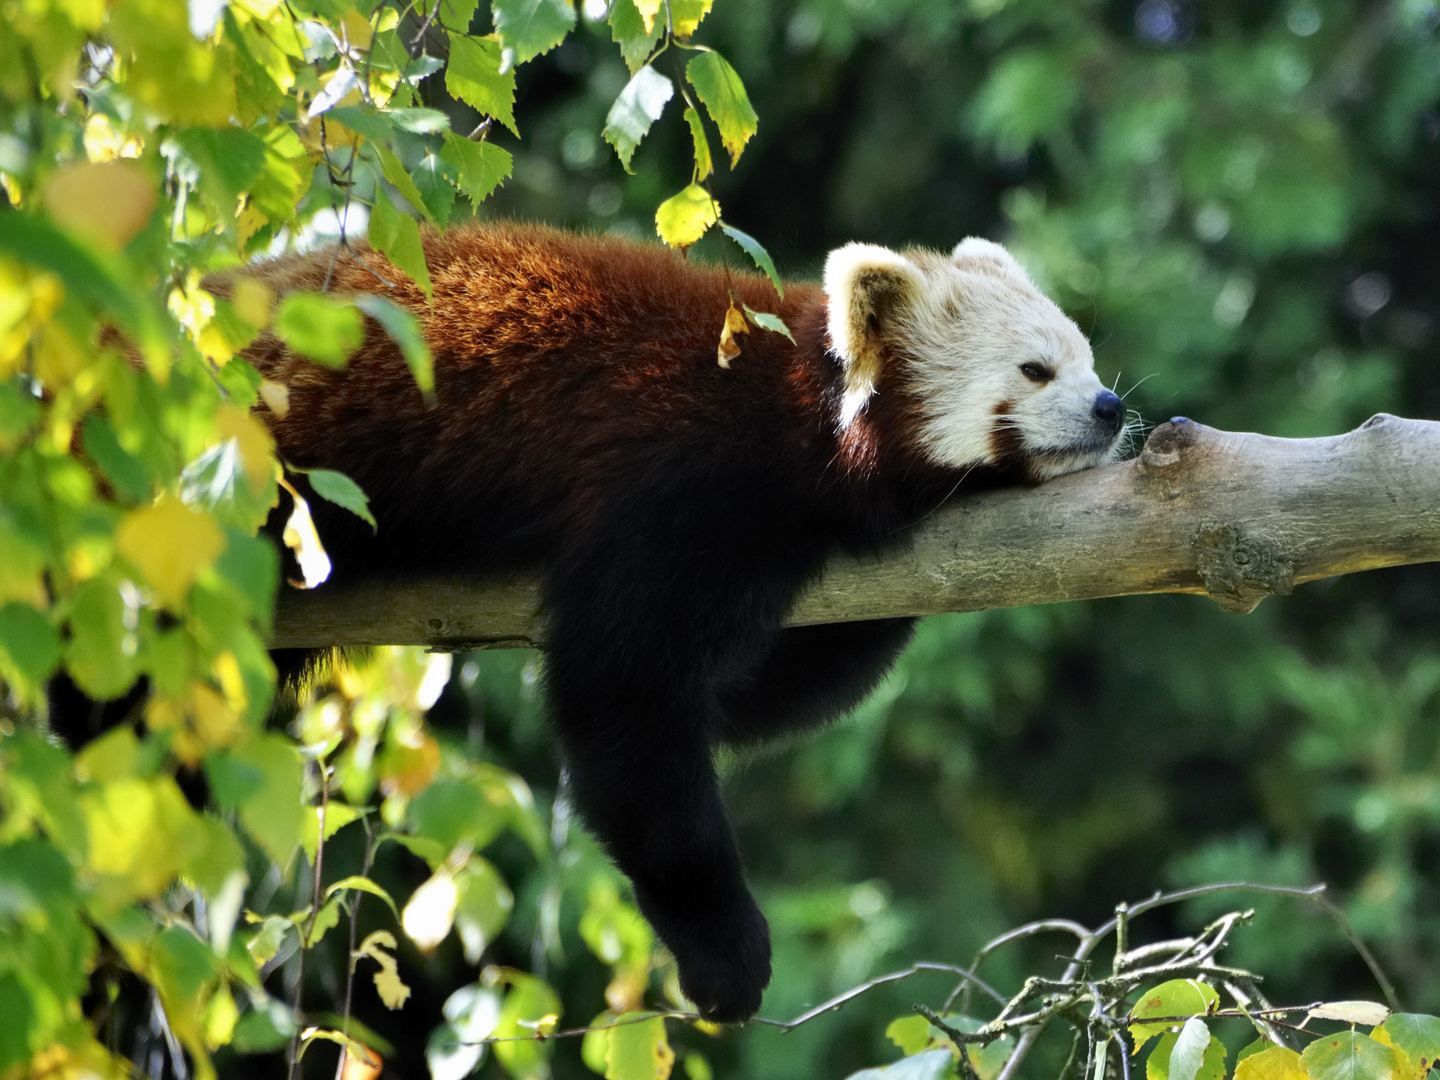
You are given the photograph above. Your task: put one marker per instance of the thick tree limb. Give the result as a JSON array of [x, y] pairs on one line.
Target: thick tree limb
[[1236, 516]]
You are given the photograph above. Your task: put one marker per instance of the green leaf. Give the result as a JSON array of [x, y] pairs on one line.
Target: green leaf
[[229, 160], [1178, 997], [1351, 1056], [529, 1001], [419, 120], [337, 816], [325, 921], [910, 1033], [767, 321], [638, 1050], [720, 88], [375, 126], [339, 489], [1189, 1050], [451, 811], [397, 237], [638, 106], [527, 28], [29, 644], [97, 656], [435, 180], [362, 884], [1417, 1035], [481, 167], [704, 165], [396, 174], [19, 1030], [125, 472], [19, 415], [324, 328], [274, 813], [252, 566], [627, 29], [683, 218], [482, 906], [757, 252], [404, 328], [474, 76]]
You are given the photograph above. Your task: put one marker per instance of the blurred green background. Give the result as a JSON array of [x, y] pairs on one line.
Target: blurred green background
[[1239, 201]]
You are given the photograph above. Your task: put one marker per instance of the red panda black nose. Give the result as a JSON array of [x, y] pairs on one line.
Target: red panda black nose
[[1109, 411]]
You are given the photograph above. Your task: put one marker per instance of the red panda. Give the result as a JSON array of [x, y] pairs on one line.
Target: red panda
[[582, 428]]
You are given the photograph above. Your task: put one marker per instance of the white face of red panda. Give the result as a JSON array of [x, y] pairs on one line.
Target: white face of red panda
[[998, 369]]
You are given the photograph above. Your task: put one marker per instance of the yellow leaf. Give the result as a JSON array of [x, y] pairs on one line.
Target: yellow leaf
[[301, 538], [105, 202], [648, 9], [392, 991], [256, 444], [1276, 1063], [220, 1017], [104, 143], [170, 544], [638, 1051], [253, 301], [683, 218], [734, 324], [276, 397]]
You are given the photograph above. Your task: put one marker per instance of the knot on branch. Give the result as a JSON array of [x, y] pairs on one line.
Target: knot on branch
[[1240, 568], [1168, 441]]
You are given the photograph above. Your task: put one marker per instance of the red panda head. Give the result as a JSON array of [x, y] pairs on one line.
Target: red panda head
[[997, 373]]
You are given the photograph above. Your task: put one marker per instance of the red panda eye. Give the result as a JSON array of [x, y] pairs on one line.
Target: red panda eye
[[1036, 373]]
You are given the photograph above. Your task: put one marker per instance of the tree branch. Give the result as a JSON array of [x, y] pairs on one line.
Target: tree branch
[[1231, 515]]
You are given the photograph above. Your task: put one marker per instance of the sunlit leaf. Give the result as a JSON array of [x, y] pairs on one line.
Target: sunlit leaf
[[529, 1003], [723, 94], [649, 11], [481, 167], [527, 28], [639, 105], [1178, 997], [1417, 1035], [638, 1051], [430, 912], [632, 33], [1272, 1063], [361, 884], [473, 75], [683, 218], [910, 1033], [1369, 1013]]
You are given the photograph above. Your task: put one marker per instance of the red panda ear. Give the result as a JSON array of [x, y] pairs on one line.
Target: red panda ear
[[975, 250], [867, 288]]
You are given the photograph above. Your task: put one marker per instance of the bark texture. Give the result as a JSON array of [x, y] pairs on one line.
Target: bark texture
[[1233, 515]]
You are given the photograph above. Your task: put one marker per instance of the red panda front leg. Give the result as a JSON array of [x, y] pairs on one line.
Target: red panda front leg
[[637, 635]]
